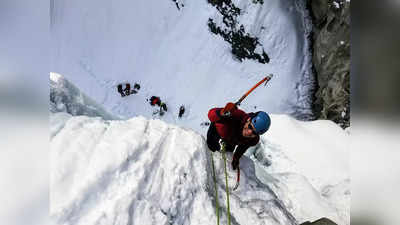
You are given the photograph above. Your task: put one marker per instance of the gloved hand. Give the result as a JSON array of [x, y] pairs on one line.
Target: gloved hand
[[228, 109], [235, 163]]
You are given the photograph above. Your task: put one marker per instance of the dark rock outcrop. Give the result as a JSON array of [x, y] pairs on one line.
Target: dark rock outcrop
[[242, 43], [331, 59], [322, 221]]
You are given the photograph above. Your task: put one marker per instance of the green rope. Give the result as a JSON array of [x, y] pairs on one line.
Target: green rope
[[226, 183], [215, 186]]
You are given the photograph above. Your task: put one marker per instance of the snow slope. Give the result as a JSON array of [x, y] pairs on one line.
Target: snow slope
[[307, 165], [141, 171], [172, 54]]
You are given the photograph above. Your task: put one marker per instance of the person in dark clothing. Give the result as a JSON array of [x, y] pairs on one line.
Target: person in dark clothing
[[236, 128], [154, 100], [181, 111], [127, 89], [119, 88]]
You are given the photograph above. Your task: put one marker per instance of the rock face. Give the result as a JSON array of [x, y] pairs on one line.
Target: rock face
[[331, 59], [322, 221]]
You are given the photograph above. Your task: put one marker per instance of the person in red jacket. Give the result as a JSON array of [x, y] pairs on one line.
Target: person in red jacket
[[236, 128]]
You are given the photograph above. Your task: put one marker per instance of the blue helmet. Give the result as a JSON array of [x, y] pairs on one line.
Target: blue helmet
[[261, 122]]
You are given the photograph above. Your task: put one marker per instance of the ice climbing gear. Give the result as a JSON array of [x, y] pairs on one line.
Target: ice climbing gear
[[215, 186], [266, 79], [261, 122], [262, 127], [223, 145]]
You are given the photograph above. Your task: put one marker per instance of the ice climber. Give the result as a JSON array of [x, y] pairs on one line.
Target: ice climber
[[155, 100], [236, 128]]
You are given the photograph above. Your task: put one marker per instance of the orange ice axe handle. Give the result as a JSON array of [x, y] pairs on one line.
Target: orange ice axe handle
[[266, 79]]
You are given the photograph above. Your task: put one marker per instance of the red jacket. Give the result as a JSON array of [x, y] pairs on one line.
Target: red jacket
[[230, 129]]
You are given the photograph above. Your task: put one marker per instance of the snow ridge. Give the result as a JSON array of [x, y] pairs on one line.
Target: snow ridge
[[145, 170]]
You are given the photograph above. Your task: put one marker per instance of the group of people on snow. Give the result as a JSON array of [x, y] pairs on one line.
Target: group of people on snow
[[154, 100], [127, 90]]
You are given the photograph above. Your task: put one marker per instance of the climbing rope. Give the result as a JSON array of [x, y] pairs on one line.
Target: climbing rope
[[226, 181], [215, 186]]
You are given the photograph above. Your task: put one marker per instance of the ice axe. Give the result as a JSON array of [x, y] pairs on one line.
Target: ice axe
[[266, 79]]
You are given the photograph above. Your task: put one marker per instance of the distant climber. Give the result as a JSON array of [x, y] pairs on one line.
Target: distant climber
[[136, 86], [177, 4], [236, 128], [155, 100], [127, 89], [181, 111], [120, 90]]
